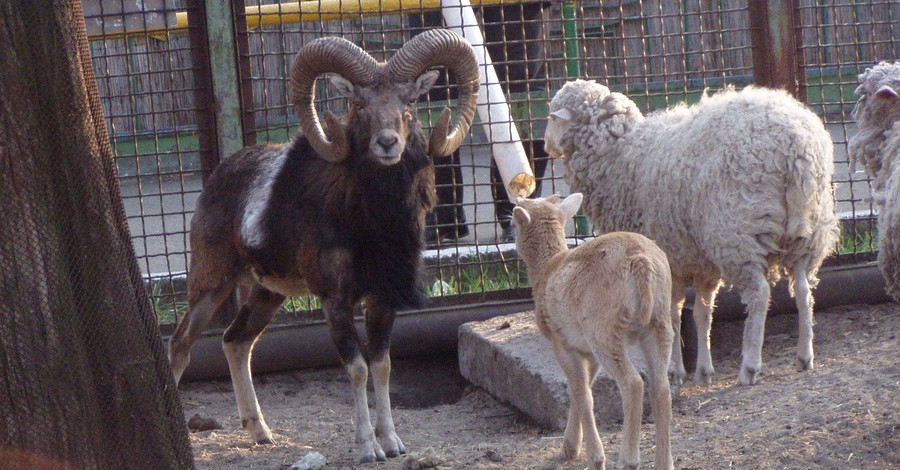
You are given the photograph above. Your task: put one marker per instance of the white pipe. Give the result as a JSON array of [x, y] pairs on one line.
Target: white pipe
[[493, 109]]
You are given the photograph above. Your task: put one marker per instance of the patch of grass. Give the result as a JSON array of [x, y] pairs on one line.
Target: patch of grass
[[858, 236], [168, 305]]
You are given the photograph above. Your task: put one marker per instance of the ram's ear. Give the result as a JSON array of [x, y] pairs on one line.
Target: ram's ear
[[425, 82], [521, 216], [343, 86], [571, 204]]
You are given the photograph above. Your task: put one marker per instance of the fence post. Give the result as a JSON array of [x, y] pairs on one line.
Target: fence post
[[774, 34], [216, 69]]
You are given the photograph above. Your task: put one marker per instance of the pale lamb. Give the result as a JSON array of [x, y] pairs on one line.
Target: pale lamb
[[735, 188], [590, 302], [877, 146]]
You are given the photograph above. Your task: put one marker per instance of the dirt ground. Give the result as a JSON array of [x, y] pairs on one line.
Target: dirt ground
[[845, 414]]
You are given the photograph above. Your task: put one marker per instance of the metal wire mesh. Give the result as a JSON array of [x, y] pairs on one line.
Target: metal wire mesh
[[840, 38], [659, 53]]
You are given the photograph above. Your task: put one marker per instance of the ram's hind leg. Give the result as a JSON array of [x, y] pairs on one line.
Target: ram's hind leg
[[251, 320], [203, 307], [379, 322], [804, 300]]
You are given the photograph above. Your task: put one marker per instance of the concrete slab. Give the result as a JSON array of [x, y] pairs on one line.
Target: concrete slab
[[509, 358]]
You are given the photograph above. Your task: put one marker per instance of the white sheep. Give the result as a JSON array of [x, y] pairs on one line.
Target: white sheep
[[735, 188], [877, 146], [590, 302]]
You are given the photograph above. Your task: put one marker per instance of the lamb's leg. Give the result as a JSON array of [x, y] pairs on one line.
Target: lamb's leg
[[703, 307], [631, 389], [237, 342], [805, 312], [755, 295], [656, 349], [676, 370], [202, 309], [574, 366], [379, 321]]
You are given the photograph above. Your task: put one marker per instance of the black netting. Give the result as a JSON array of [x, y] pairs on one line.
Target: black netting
[[84, 379]]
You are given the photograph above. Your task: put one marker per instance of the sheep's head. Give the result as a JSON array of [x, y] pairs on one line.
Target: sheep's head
[[382, 96], [877, 109], [542, 220], [580, 103], [383, 115]]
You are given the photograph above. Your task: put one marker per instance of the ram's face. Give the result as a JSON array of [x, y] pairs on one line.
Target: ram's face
[[558, 123], [384, 114]]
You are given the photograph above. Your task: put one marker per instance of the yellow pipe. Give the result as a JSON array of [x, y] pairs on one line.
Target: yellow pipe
[[307, 10]]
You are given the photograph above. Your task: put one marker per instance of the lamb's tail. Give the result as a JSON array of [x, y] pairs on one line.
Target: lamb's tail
[[643, 274]]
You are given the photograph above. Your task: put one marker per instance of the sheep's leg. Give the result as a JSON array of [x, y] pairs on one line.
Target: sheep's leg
[[379, 321], [676, 370], [755, 295], [577, 374], [237, 342], [631, 389], [201, 311], [339, 314], [656, 349], [804, 301], [703, 307]]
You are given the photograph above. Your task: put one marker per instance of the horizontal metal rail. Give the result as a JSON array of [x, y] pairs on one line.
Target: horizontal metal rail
[[296, 12]]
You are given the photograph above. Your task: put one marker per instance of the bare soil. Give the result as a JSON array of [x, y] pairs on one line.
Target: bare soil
[[843, 414]]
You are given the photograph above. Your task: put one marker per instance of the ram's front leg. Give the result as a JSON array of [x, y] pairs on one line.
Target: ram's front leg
[[339, 313], [379, 321]]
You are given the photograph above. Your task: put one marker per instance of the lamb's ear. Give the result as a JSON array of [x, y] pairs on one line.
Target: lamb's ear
[[521, 216], [886, 92], [571, 204], [554, 199]]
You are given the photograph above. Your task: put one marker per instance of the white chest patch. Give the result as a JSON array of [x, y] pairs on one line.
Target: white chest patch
[[258, 200]]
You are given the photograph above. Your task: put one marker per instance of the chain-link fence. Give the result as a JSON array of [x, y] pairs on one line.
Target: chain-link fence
[[177, 101]]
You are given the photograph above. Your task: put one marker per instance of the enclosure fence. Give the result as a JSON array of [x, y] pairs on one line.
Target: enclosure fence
[[186, 82]]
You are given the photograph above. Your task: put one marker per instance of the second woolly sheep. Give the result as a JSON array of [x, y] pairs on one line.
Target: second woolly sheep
[[877, 146]]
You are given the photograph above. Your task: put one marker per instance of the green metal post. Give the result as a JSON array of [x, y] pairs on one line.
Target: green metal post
[[224, 66], [573, 70]]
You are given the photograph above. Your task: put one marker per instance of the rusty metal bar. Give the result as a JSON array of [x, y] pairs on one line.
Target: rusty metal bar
[[776, 53], [244, 77]]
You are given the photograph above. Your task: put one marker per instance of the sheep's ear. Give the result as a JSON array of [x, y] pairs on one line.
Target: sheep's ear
[[565, 114], [571, 204], [425, 82], [886, 92], [343, 86], [521, 216]]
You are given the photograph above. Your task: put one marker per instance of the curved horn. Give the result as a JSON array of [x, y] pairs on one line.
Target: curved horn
[[442, 47], [324, 55]]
